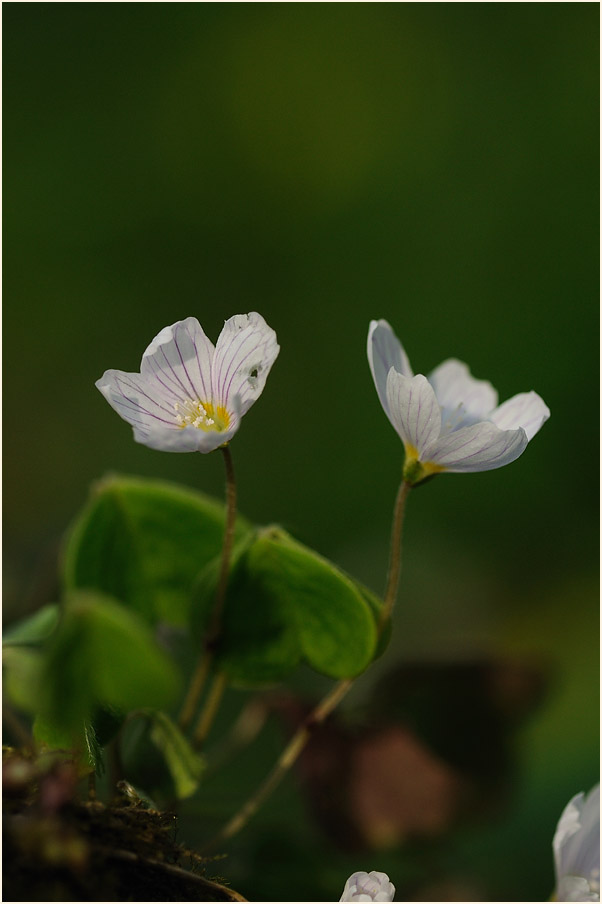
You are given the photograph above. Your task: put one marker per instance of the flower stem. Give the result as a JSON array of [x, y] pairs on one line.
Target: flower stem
[[289, 755], [220, 596], [395, 555], [210, 709], [195, 689], [284, 762], [204, 664]]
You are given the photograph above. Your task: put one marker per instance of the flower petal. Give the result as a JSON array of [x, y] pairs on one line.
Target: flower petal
[[462, 397], [481, 447], [384, 352], [179, 360], [413, 410], [182, 439], [526, 410], [575, 888], [576, 841], [244, 354], [373, 886], [136, 400]]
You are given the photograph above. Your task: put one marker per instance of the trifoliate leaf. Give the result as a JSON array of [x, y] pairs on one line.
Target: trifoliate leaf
[[144, 542], [286, 603], [101, 654]]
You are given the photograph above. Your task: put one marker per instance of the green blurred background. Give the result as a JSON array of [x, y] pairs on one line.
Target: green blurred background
[[326, 164]]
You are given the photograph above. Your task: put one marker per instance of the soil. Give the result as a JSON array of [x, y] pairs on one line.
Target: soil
[[59, 846]]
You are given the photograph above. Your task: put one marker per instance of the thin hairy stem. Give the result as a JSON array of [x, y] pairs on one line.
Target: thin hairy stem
[[394, 556], [284, 762], [294, 747], [195, 689], [210, 709], [220, 596], [203, 666]]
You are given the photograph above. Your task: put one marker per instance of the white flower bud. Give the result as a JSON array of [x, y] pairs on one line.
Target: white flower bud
[[373, 886]]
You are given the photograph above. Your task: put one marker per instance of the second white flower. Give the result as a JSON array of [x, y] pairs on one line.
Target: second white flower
[[449, 421]]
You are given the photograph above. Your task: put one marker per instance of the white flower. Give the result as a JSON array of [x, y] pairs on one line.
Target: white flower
[[576, 848], [190, 396], [450, 421], [372, 886]]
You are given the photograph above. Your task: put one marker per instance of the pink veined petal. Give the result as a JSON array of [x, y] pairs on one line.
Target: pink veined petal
[[244, 354], [455, 386], [185, 439], [481, 447], [527, 410], [413, 409], [178, 360], [136, 400], [384, 352]]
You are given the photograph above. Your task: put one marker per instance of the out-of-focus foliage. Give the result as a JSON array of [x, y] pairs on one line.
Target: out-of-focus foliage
[[32, 631], [97, 655], [185, 766]]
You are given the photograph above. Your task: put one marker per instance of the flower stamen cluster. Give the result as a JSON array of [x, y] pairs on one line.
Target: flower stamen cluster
[[194, 413]]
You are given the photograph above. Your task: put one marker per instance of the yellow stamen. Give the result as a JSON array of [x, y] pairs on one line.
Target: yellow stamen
[[202, 415]]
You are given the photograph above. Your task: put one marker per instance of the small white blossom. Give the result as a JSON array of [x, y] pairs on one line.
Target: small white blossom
[[372, 886], [449, 421], [189, 395], [576, 848]]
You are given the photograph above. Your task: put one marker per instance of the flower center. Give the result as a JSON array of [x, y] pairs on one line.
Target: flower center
[[194, 413]]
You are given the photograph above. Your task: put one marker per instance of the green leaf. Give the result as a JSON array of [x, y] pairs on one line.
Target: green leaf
[[184, 764], [33, 630], [286, 603], [22, 669], [107, 720], [101, 655], [145, 542], [84, 741], [93, 749], [157, 757]]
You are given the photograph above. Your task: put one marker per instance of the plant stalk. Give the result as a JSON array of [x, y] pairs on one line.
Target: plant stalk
[[394, 556], [284, 762], [290, 753], [210, 709], [203, 666]]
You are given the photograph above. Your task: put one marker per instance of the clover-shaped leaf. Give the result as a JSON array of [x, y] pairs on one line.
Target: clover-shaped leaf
[[101, 654], [144, 542], [285, 604]]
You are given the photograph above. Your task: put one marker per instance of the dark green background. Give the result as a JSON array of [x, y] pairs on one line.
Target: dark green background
[[325, 164]]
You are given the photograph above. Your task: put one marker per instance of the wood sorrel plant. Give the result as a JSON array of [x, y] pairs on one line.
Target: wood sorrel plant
[[145, 556]]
